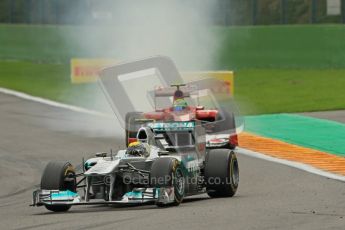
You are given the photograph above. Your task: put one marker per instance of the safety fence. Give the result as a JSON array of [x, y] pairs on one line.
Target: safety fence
[[226, 12]]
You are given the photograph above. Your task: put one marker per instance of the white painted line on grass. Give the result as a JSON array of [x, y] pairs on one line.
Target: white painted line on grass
[[301, 166], [50, 102]]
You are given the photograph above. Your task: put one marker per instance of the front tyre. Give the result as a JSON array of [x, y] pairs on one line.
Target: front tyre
[[167, 172], [221, 173], [58, 175]]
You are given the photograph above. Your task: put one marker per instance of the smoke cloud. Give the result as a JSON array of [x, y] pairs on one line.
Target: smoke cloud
[[129, 30]]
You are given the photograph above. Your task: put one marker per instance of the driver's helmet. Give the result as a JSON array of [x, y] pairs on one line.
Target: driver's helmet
[[136, 149], [180, 104]]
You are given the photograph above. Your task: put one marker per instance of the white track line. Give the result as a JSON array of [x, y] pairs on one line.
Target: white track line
[[301, 166], [246, 152], [50, 102]]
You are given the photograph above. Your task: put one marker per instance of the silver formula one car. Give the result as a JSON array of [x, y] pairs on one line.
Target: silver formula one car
[[169, 161]]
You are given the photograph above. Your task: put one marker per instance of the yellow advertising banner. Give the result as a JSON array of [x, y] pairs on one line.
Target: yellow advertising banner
[[226, 76], [86, 70]]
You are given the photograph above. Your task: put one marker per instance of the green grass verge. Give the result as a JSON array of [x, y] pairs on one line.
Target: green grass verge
[[307, 46], [304, 46], [261, 91], [258, 91], [278, 68], [50, 81]]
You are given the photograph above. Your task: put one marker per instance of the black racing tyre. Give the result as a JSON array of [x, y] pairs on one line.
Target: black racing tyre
[[225, 122], [58, 175], [131, 126], [221, 173], [167, 172]]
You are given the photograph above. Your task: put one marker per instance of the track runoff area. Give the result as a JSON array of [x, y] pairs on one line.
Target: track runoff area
[[311, 144], [306, 143]]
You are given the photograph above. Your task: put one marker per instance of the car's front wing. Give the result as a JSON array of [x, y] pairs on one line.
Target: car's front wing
[[56, 197]]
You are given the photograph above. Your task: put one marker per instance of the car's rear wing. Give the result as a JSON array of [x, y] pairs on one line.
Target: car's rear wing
[[188, 91]]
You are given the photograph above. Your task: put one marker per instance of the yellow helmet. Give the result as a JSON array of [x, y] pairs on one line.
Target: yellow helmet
[[137, 149], [135, 143]]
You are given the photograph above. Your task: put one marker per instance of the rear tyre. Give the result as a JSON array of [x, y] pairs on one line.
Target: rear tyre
[[59, 175], [221, 173], [224, 124], [167, 172]]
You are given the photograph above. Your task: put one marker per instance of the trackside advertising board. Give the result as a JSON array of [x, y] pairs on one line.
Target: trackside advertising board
[[86, 70], [225, 76]]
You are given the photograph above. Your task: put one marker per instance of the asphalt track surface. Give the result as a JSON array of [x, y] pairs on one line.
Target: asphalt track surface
[[338, 115], [270, 196]]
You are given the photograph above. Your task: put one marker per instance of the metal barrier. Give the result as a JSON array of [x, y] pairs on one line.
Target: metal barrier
[[227, 12]]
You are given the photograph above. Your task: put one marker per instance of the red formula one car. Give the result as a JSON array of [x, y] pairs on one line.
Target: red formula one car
[[182, 103]]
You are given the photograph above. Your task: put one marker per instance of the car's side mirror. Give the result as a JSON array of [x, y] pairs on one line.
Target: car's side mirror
[[101, 154], [163, 153]]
